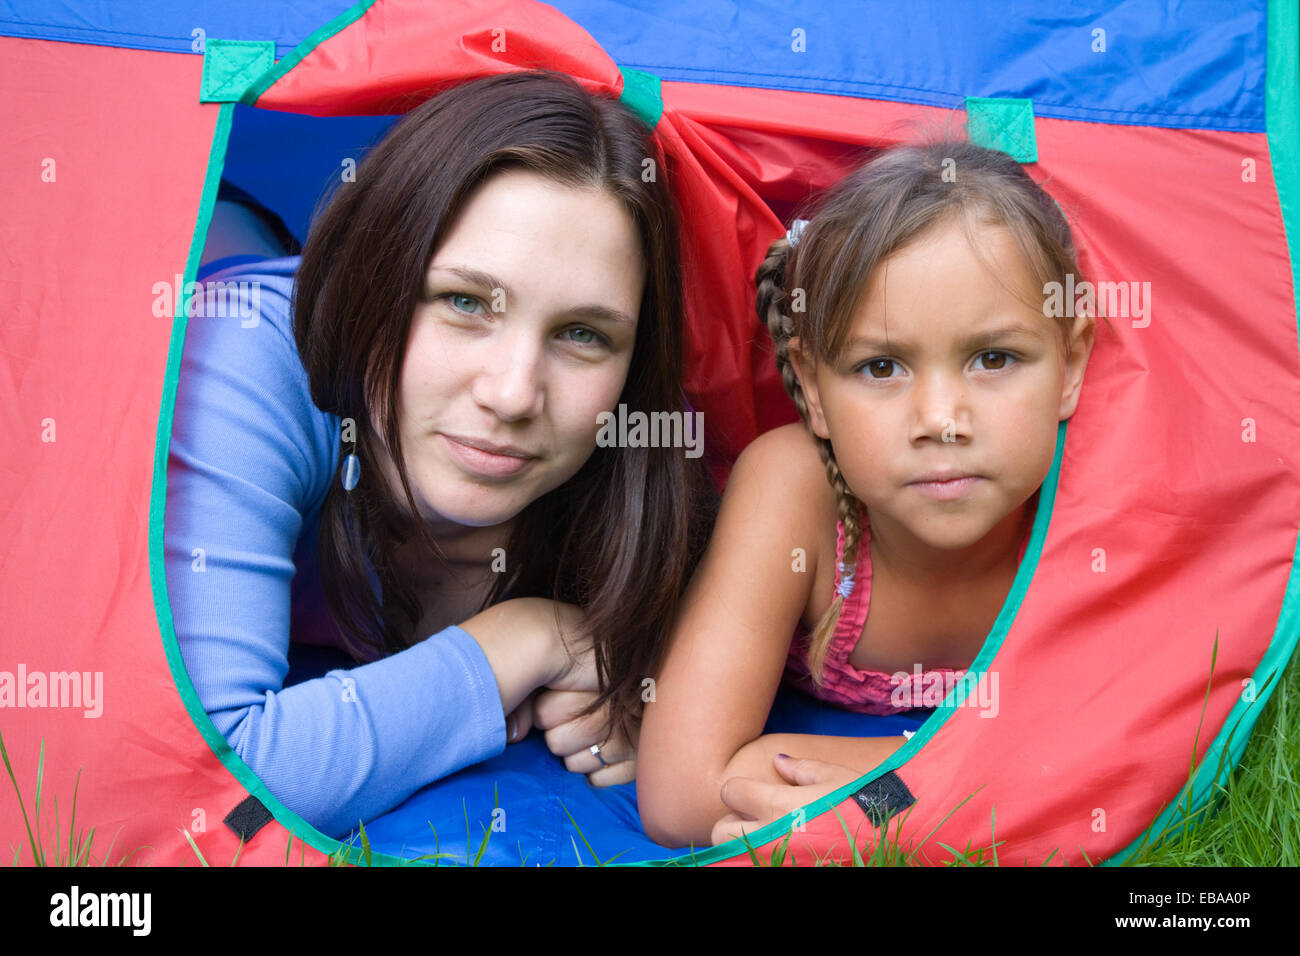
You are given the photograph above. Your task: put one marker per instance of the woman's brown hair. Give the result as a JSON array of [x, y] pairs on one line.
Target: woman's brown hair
[[621, 537], [867, 217]]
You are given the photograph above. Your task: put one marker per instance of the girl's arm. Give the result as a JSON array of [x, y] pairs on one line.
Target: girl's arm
[[729, 646]]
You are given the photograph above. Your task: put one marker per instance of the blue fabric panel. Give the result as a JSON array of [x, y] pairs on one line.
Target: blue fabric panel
[[289, 161], [169, 27], [1197, 64], [534, 790]]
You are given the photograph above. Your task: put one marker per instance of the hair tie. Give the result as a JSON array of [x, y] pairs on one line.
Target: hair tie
[[795, 231], [845, 587]]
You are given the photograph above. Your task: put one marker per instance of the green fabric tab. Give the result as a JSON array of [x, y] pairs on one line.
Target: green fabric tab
[[641, 94], [231, 66], [1003, 124]]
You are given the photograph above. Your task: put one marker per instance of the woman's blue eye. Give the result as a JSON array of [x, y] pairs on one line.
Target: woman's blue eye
[[581, 336], [464, 303]]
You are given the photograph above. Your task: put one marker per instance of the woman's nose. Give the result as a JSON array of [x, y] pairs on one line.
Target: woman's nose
[[510, 383]]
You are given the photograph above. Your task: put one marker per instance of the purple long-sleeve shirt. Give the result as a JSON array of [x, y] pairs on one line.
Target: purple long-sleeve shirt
[[251, 459]]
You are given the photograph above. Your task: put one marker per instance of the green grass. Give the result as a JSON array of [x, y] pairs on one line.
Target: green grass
[[78, 849], [1253, 821]]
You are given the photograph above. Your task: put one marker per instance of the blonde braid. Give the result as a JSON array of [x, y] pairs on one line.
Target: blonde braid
[[770, 280]]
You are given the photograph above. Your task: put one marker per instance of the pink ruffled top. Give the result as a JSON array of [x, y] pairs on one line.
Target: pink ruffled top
[[864, 691]]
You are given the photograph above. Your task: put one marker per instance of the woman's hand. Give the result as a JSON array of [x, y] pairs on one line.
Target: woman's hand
[[519, 722], [571, 737], [559, 705], [531, 643], [546, 672], [756, 803], [573, 665]]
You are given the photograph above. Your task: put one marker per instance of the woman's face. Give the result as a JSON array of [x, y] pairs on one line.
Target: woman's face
[[525, 336]]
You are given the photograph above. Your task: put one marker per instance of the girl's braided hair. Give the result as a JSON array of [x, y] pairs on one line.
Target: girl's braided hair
[[809, 288]]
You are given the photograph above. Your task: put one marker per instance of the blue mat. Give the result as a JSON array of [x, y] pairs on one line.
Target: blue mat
[[529, 795]]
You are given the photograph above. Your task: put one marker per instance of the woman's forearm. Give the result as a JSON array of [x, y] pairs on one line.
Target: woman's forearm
[[356, 742]]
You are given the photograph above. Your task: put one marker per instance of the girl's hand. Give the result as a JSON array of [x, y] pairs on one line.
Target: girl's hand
[[755, 804], [570, 736]]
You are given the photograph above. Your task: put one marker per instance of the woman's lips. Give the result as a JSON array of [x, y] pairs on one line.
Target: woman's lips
[[946, 490], [488, 464]]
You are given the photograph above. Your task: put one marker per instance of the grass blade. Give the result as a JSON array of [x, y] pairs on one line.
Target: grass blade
[[580, 834], [36, 807], [21, 805], [193, 846]]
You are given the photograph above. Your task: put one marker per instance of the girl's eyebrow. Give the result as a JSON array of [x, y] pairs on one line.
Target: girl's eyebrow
[[972, 341], [486, 280]]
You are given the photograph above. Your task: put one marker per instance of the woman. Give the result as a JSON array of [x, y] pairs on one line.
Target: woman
[[410, 424]]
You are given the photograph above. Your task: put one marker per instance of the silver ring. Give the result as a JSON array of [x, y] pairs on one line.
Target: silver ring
[[594, 749]]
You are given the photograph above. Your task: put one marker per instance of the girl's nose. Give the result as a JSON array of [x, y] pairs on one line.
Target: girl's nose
[[511, 381], [941, 410]]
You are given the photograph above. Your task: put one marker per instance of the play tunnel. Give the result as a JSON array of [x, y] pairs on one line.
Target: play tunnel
[[1158, 602]]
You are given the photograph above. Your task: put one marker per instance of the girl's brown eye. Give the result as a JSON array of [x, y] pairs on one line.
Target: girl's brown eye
[[996, 366], [879, 364]]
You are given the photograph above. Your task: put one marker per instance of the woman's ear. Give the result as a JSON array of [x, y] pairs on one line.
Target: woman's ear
[[805, 369]]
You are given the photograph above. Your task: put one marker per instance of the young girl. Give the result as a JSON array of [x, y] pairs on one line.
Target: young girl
[[886, 530]]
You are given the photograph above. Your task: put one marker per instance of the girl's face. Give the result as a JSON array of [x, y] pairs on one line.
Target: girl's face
[[526, 335], [945, 370]]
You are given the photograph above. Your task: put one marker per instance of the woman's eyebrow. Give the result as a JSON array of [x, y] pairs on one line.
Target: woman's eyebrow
[[476, 277], [486, 280], [597, 313]]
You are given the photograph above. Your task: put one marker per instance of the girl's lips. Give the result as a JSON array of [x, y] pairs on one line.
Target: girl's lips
[[485, 463], [946, 490]]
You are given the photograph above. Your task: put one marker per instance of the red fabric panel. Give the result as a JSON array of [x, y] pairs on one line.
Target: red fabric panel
[[80, 346]]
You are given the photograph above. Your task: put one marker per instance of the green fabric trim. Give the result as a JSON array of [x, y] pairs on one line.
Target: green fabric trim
[[298, 53], [982, 662], [296, 825], [1003, 124], [231, 66], [642, 94], [1282, 118]]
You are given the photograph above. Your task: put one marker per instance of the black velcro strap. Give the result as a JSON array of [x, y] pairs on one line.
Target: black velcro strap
[[883, 797], [247, 818]]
